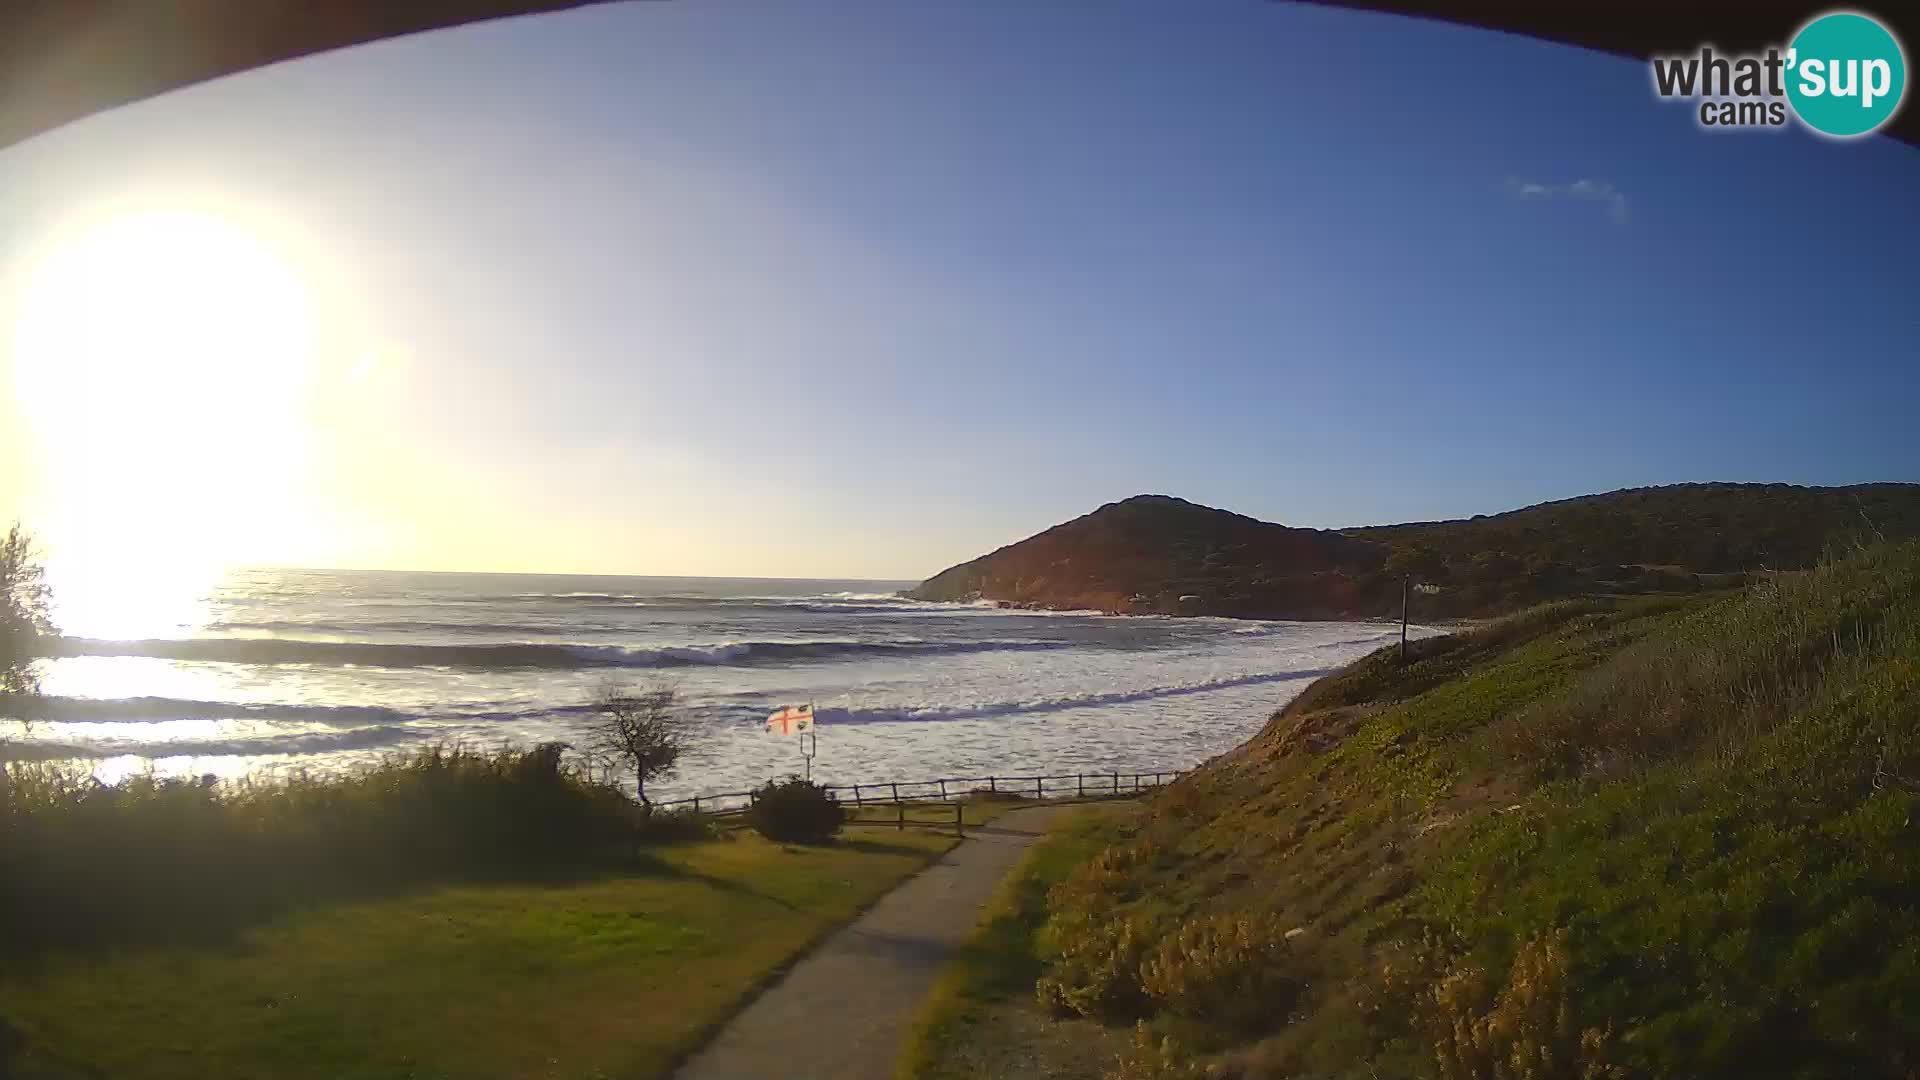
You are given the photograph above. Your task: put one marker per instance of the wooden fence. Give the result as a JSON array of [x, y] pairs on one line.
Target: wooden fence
[[1062, 787]]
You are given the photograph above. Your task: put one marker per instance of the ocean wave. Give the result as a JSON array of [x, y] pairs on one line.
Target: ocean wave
[[589, 597], [834, 602], [520, 654], [914, 714], [70, 710], [310, 742], [373, 727], [395, 626]]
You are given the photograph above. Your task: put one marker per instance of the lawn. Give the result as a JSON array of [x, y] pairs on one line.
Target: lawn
[[606, 976]]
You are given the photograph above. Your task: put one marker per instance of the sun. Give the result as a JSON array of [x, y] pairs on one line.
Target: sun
[[160, 361]]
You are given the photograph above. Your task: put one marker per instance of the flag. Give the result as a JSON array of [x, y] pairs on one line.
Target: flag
[[791, 720]]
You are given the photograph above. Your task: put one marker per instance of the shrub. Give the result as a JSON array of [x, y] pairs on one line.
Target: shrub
[[1117, 875], [796, 811], [82, 861], [1525, 1032], [1096, 964], [1095, 947], [1232, 971]]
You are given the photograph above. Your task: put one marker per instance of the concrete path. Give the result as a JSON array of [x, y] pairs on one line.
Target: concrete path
[[843, 1010]]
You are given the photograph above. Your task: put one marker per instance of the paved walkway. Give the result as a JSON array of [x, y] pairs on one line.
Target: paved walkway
[[843, 1010]]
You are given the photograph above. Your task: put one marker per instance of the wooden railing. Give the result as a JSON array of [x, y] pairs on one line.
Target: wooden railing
[[1056, 787]]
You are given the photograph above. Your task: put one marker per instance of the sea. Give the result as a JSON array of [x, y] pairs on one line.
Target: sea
[[272, 671]]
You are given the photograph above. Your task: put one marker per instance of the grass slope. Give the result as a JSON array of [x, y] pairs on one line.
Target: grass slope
[[963, 1030], [1660, 837], [607, 975]]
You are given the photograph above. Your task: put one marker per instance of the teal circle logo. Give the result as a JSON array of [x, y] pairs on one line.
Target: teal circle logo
[[1846, 74]]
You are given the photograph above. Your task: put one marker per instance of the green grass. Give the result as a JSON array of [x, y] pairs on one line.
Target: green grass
[[929, 814], [999, 961], [604, 976], [1646, 838]]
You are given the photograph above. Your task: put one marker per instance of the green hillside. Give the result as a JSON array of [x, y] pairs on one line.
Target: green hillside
[[1642, 539], [1652, 837]]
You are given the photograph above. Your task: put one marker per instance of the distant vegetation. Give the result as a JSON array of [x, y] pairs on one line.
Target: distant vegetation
[[1675, 538], [1153, 553], [1615, 838]]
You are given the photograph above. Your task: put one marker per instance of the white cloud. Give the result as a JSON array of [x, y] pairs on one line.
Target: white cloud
[[1599, 191]]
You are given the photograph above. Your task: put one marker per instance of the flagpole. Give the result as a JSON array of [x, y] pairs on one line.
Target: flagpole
[[814, 716]]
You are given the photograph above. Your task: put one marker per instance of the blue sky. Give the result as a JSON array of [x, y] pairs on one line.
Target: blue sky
[[767, 288]]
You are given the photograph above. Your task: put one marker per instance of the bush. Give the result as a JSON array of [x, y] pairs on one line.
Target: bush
[[83, 862], [796, 811], [1120, 874], [1525, 1032], [1230, 971], [1095, 946], [1096, 964]]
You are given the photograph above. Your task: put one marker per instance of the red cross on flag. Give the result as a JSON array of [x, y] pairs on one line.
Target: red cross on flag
[[791, 720]]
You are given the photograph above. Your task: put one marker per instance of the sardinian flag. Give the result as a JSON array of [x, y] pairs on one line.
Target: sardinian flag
[[791, 720]]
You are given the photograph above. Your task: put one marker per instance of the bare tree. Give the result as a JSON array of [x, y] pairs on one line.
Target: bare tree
[[640, 731]]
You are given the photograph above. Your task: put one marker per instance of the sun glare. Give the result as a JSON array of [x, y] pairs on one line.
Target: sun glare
[[160, 361]]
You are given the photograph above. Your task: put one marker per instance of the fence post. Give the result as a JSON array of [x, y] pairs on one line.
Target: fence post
[[900, 808], [696, 806], [1036, 787], [943, 791], [993, 783], [960, 819], [1081, 780], [896, 791], [1116, 783], [856, 795]]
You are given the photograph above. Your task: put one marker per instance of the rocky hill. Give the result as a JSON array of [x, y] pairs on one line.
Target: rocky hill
[[1155, 553]]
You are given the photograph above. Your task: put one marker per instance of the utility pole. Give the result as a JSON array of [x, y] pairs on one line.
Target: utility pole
[[1405, 586]]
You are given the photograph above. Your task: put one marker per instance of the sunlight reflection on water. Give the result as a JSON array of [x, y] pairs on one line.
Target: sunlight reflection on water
[[906, 691]]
